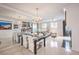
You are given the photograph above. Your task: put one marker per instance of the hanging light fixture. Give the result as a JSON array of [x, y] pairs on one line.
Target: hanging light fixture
[[36, 18]]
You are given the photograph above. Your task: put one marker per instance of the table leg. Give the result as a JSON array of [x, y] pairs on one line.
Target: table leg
[[44, 42], [21, 40], [35, 50]]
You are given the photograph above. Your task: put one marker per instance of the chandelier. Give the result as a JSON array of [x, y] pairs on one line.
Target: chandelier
[[36, 18]]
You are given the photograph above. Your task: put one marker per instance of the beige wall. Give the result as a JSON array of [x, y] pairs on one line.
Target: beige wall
[[73, 23]]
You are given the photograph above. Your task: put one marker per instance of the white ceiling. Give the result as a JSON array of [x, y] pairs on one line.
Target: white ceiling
[[27, 10]]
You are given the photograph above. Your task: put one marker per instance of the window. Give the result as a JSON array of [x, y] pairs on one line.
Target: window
[[44, 26], [53, 25], [34, 27]]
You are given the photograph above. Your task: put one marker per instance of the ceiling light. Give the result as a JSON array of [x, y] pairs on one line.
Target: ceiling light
[[36, 18]]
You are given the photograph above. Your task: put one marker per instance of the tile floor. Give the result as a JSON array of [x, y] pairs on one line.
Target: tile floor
[[16, 49]]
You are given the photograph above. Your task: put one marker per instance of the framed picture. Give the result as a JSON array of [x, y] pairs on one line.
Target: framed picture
[[5, 25], [15, 26]]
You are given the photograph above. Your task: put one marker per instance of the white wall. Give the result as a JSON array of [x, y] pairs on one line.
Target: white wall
[[73, 23], [5, 38], [5, 33]]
